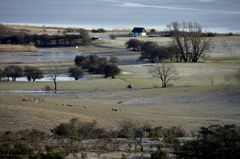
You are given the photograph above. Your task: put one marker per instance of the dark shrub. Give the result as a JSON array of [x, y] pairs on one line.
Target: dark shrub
[[153, 52], [159, 154], [99, 30], [213, 142], [1, 74], [111, 70], [47, 88], [75, 72], [153, 31], [113, 37], [134, 44], [54, 155], [93, 63], [174, 131], [33, 73], [113, 59], [78, 130], [13, 72], [85, 37], [156, 132], [127, 129], [15, 150]]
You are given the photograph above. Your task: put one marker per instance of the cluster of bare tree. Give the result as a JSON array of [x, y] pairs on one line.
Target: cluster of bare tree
[[189, 40], [189, 44]]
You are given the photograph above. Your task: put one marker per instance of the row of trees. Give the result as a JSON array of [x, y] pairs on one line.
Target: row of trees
[[98, 65], [93, 64], [153, 52], [189, 44], [13, 71], [99, 30], [7, 36]]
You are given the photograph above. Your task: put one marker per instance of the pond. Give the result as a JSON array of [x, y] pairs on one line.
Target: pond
[[42, 56], [52, 55], [48, 79]]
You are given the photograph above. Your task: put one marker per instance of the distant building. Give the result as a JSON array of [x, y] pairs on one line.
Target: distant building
[[139, 31], [165, 33]]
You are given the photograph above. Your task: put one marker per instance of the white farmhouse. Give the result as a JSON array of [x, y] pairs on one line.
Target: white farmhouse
[[139, 31]]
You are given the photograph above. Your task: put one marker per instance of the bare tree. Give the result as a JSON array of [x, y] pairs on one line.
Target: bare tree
[[165, 72], [85, 37], [190, 40], [54, 78]]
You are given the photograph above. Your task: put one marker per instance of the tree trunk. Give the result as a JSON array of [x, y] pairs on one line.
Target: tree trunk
[[55, 86]]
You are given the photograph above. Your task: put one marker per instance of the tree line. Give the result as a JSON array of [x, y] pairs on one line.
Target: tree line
[[8, 36], [13, 72], [92, 64]]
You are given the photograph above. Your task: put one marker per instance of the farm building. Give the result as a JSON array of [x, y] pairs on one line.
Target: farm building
[[139, 31]]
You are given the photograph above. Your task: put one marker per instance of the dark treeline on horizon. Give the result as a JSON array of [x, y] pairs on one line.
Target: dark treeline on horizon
[[44, 40], [8, 36]]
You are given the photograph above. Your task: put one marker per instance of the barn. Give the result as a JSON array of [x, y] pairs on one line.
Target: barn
[[139, 31]]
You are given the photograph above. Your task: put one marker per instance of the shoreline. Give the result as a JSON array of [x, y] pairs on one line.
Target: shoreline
[[220, 30]]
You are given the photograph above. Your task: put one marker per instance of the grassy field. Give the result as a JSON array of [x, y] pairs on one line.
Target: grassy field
[[17, 48], [188, 107], [204, 93]]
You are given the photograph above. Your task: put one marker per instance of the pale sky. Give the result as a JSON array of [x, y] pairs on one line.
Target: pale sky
[[213, 15]]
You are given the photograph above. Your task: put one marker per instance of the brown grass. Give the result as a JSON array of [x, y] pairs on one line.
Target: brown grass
[[18, 48]]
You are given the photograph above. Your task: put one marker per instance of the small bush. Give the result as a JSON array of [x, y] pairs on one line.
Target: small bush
[[213, 142], [113, 37], [156, 132], [111, 70], [159, 154], [27, 135], [15, 150], [47, 88], [78, 130], [99, 30], [54, 155], [75, 72], [174, 131], [113, 59], [1, 74], [93, 63], [134, 44], [127, 129]]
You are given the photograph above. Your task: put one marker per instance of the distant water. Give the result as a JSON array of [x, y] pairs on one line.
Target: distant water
[[214, 15]]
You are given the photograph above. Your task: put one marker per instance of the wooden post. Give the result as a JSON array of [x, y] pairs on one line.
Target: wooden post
[[138, 140]]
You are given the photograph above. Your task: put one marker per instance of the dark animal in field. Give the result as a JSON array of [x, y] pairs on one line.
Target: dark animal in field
[[94, 38]]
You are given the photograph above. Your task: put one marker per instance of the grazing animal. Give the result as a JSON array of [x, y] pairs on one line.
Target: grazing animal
[[94, 38]]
